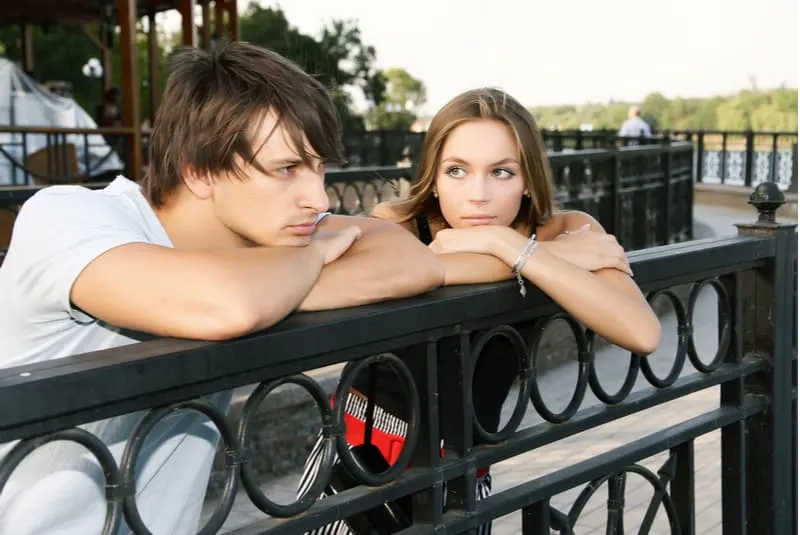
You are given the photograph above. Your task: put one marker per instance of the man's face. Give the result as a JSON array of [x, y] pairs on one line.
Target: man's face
[[277, 207]]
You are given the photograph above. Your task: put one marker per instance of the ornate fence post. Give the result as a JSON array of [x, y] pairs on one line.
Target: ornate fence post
[[768, 333]]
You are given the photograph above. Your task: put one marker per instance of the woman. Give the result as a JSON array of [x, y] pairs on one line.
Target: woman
[[483, 201]]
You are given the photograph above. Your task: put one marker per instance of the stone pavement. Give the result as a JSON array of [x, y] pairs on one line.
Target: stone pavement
[[557, 387]]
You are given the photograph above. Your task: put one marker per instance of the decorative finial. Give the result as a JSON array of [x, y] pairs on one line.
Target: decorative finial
[[767, 198]]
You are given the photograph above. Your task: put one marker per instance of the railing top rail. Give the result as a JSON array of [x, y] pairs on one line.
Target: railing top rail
[[161, 371], [108, 130], [603, 132], [735, 132], [20, 194]]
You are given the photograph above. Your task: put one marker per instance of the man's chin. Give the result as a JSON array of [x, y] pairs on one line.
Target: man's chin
[[294, 241]]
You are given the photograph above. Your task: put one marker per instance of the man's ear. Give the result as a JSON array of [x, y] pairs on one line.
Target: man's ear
[[199, 184]]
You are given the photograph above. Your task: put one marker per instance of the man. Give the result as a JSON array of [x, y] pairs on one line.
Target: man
[[226, 236], [635, 126], [108, 111]]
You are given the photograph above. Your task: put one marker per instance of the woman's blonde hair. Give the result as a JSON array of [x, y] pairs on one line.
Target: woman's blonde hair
[[477, 104]]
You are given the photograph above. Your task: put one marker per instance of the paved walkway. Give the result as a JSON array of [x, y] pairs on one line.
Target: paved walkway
[[557, 387]]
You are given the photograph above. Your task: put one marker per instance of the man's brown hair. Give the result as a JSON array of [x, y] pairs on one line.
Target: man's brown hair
[[214, 102]]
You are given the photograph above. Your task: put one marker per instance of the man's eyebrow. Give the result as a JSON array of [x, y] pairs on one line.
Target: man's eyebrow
[[283, 162]]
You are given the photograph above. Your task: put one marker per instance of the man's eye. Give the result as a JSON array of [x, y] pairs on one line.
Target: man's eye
[[286, 171]]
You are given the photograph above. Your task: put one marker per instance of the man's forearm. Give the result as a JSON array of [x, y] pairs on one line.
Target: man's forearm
[[381, 266]]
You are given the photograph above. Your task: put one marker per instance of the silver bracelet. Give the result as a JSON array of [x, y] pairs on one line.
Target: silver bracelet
[[526, 252]]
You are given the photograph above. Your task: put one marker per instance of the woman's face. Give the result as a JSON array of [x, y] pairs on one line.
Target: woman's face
[[479, 177]]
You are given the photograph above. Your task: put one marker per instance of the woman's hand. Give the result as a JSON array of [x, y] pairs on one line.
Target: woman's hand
[[484, 239], [583, 247], [590, 250]]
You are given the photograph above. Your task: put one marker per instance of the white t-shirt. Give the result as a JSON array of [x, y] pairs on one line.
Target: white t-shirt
[[635, 127], [59, 488]]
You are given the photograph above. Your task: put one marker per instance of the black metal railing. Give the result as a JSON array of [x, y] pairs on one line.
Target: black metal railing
[[31, 155], [641, 194], [743, 158], [434, 342]]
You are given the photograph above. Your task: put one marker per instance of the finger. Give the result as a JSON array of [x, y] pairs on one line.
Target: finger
[[625, 267], [354, 231], [576, 231]]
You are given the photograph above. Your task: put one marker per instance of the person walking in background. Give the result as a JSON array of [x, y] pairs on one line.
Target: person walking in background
[[634, 125]]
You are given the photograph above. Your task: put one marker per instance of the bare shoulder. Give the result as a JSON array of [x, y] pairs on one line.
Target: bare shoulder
[[388, 211], [575, 219], [567, 220], [385, 210]]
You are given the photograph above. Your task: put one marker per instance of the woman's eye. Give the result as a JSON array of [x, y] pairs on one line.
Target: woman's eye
[[502, 173], [456, 172]]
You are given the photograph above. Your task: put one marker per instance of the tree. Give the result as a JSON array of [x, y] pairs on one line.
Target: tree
[[60, 52], [403, 98], [403, 89], [762, 109], [338, 58]]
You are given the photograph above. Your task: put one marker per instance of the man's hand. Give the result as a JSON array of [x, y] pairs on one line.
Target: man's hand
[[334, 243], [384, 262]]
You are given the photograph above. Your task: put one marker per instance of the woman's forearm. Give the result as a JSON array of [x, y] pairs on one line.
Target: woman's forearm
[[473, 268], [608, 302]]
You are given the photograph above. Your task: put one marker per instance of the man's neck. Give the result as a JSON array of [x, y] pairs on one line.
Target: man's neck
[[191, 223]]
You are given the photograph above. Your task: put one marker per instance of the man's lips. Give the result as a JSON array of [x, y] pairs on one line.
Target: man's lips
[[303, 229]]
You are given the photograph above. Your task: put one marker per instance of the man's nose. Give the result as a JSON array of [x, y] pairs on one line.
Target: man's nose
[[314, 195]]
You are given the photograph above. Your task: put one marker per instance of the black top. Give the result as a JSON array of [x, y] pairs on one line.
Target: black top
[[494, 373], [424, 229]]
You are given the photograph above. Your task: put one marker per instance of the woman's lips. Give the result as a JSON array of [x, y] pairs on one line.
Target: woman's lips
[[478, 219]]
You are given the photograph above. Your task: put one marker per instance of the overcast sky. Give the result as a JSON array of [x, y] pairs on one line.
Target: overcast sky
[[572, 51]]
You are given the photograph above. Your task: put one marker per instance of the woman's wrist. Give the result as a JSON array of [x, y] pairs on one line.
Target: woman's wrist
[[509, 245]]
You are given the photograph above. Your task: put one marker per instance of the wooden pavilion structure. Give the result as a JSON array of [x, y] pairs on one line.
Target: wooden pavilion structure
[[125, 14]]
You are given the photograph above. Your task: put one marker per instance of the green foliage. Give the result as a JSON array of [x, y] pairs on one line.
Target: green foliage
[[60, 53], [404, 96], [338, 58], [770, 110]]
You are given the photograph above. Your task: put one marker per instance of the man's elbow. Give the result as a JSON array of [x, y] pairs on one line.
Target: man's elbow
[[232, 312], [226, 320]]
